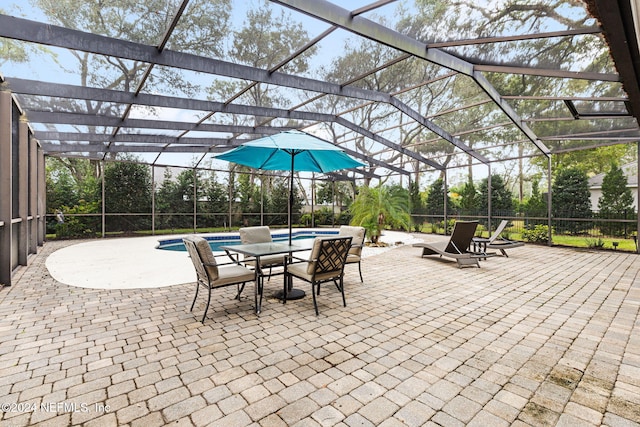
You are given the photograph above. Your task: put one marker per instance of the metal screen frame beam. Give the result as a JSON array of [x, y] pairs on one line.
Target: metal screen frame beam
[[32, 87], [616, 17], [51, 35], [517, 37], [116, 121], [333, 14]]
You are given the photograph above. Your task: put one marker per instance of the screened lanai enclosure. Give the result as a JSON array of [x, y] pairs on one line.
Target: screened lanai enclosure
[[417, 90]]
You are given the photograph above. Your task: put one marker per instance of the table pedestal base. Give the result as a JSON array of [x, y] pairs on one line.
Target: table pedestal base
[[293, 294]]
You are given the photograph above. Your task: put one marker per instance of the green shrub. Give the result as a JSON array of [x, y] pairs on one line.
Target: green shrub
[[324, 216], [74, 227], [450, 224], [537, 234], [344, 218], [595, 243], [305, 219], [79, 226]]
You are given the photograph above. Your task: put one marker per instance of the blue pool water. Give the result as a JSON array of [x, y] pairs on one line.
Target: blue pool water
[[224, 239]]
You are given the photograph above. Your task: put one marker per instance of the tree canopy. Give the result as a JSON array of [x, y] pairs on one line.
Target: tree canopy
[[571, 199], [616, 201]]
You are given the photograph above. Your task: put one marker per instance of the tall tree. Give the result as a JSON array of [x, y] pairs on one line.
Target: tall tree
[[127, 190], [616, 201], [249, 199], [415, 198], [501, 197], [338, 192], [169, 202], [571, 199], [536, 205], [436, 20], [143, 22], [592, 162], [18, 52], [469, 198], [137, 21], [216, 193], [63, 189], [435, 199], [265, 39], [278, 202], [357, 59]]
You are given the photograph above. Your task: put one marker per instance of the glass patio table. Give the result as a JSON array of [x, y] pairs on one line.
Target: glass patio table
[[257, 250]]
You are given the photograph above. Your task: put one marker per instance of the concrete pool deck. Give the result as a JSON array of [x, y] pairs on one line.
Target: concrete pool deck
[[131, 263], [547, 337]]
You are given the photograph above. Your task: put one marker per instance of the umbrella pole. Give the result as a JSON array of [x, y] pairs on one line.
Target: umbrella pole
[[291, 196], [292, 293]]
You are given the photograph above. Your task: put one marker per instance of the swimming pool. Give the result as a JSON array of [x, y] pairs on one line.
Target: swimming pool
[[231, 238]]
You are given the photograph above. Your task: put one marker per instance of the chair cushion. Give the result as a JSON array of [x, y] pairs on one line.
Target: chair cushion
[[259, 234], [315, 252], [351, 258], [357, 241], [328, 255], [206, 255], [268, 260], [301, 270], [232, 274], [272, 260]]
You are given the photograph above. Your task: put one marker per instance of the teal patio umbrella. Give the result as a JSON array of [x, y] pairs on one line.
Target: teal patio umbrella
[[291, 150]]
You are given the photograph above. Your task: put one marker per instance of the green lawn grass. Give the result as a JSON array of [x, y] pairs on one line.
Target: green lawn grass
[[605, 243], [624, 245]]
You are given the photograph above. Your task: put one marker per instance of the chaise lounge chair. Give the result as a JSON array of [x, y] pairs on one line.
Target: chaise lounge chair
[[495, 241], [457, 247]]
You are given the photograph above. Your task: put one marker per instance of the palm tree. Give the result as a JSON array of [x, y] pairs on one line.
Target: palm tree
[[376, 207]]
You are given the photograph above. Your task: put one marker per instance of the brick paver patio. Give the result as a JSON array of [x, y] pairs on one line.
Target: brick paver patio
[[549, 336]]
